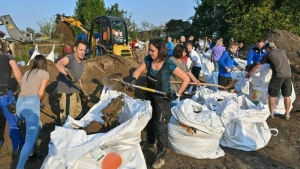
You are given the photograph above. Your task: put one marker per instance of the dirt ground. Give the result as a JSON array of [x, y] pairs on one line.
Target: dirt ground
[[283, 151]]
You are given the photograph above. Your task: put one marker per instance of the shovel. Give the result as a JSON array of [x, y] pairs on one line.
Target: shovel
[[233, 82], [89, 98], [114, 80]]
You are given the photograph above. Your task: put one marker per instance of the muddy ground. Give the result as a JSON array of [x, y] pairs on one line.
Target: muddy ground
[[283, 151]]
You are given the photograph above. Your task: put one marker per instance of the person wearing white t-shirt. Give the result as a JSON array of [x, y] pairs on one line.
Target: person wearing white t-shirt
[[196, 63]]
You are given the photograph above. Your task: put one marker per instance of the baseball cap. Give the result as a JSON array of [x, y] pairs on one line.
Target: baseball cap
[[270, 45]]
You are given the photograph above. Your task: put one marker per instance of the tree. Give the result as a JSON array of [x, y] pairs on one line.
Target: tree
[[87, 10], [115, 11], [245, 20], [46, 26], [176, 28]]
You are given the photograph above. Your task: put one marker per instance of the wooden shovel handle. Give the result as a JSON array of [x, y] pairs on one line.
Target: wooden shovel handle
[[202, 84]]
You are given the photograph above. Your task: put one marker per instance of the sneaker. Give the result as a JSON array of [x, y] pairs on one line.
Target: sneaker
[[34, 157], [272, 116], [287, 117], [158, 163]]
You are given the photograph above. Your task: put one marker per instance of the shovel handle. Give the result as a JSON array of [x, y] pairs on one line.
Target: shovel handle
[[202, 84], [144, 88], [76, 83]]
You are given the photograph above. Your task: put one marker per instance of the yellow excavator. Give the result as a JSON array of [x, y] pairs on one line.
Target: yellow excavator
[[109, 34]]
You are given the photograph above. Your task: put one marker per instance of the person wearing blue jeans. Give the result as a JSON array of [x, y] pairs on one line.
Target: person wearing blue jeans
[[33, 85], [28, 109], [15, 134], [8, 65]]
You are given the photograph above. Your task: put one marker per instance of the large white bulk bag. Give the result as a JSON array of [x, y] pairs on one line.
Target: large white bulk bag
[[245, 125], [195, 134], [70, 148]]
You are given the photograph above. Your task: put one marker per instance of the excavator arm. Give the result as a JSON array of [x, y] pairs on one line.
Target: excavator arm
[[71, 21], [15, 33]]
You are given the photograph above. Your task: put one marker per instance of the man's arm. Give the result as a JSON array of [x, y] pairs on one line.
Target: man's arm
[[222, 60], [250, 57], [60, 65], [15, 68], [253, 70]]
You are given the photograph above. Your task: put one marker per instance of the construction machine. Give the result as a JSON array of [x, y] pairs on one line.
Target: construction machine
[[107, 34], [15, 33]]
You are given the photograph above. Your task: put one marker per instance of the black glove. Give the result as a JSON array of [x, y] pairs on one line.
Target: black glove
[[88, 98], [172, 95], [132, 82]]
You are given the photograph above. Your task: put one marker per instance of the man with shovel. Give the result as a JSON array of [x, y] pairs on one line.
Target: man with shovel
[[68, 92]]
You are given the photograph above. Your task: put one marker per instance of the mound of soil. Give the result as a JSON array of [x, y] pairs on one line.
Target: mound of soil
[[111, 112], [94, 127], [284, 40], [139, 56]]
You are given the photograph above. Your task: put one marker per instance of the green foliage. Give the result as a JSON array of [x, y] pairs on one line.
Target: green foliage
[[46, 26], [245, 20], [176, 28], [87, 10], [25, 48], [115, 11]]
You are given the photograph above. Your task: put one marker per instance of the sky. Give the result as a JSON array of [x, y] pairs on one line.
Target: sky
[[28, 13]]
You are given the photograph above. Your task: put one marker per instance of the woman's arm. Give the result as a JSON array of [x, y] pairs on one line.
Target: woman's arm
[[42, 88], [190, 74], [184, 77], [139, 70]]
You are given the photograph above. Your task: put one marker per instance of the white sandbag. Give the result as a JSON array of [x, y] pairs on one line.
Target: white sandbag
[[246, 126], [36, 52], [51, 55], [195, 134], [75, 149], [259, 83], [211, 78]]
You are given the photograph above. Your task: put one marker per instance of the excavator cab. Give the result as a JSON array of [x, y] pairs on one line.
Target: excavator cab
[[111, 36]]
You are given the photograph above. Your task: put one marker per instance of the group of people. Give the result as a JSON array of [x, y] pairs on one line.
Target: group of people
[[165, 65], [32, 88]]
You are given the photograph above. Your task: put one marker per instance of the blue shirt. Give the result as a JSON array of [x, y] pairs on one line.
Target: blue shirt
[[165, 75], [170, 47], [227, 59], [255, 55]]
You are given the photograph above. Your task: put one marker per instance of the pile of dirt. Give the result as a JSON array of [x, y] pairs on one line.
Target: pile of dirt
[[64, 34], [284, 40], [110, 117], [139, 56], [111, 112], [94, 127]]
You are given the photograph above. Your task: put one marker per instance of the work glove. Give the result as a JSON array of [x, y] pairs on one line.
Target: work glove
[[132, 82], [88, 97], [172, 95]]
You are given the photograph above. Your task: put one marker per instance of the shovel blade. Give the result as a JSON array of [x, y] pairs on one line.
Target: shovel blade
[[113, 81]]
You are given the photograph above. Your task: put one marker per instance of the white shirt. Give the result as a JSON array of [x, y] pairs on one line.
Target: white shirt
[[195, 58]]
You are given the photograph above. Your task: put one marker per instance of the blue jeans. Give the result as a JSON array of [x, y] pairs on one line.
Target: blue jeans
[[216, 64], [13, 121], [28, 109]]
